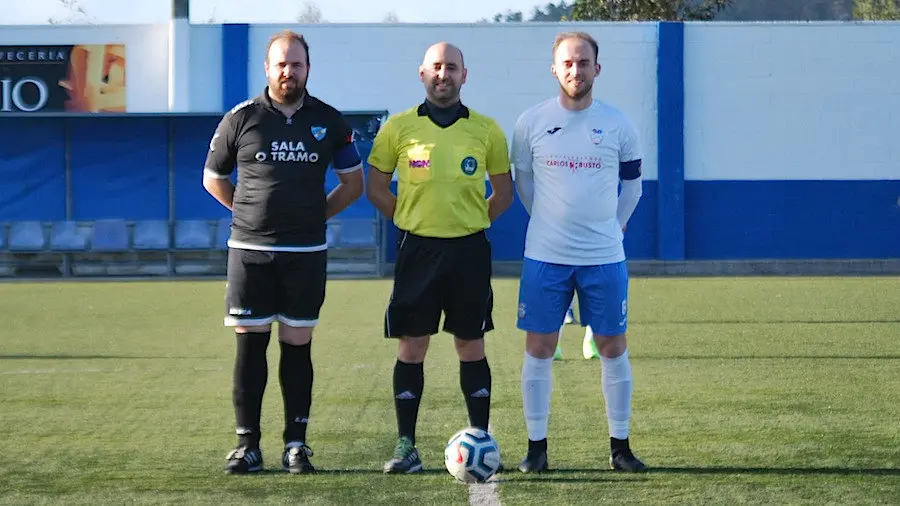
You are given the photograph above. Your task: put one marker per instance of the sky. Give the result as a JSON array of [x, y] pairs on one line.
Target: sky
[[19, 12]]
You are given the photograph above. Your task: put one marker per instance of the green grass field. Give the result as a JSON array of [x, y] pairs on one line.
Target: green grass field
[[747, 390]]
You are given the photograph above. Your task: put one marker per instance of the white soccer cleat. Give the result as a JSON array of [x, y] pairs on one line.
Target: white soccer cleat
[[589, 347], [570, 316]]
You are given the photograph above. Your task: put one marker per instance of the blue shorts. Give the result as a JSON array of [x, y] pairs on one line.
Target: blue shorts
[[546, 291]]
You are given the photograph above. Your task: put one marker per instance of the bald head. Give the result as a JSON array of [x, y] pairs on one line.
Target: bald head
[[443, 51], [443, 73]]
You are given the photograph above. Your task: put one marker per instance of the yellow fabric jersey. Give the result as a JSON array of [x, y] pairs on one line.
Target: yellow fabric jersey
[[440, 170]]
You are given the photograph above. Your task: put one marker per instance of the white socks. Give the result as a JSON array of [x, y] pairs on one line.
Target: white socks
[[616, 383], [537, 384]]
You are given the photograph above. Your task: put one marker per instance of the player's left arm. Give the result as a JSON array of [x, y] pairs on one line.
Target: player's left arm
[[499, 172], [348, 166], [630, 173]]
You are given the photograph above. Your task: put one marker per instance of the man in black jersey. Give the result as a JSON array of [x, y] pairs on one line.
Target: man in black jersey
[[282, 143]]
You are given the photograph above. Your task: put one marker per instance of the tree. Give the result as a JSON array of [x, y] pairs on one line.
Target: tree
[[391, 17], [77, 14], [550, 12], [641, 10], [311, 14], [876, 10], [508, 17], [553, 12], [787, 10]]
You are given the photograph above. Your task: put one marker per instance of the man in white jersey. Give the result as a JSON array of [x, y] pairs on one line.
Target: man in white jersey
[[570, 154]]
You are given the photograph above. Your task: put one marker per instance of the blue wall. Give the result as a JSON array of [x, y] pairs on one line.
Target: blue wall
[[792, 219]]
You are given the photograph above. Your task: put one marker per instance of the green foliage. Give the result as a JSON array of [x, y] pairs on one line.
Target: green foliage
[[647, 10], [550, 13], [876, 10]]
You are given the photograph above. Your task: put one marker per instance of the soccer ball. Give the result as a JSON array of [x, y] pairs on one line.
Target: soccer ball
[[472, 455]]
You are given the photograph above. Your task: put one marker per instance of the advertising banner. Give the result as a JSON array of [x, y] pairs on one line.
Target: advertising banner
[[59, 79]]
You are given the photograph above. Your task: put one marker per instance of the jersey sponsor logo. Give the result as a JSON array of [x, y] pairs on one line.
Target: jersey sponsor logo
[[575, 163], [288, 151], [596, 135], [469, 165], [318, 132], [554, 130], [419, 164]]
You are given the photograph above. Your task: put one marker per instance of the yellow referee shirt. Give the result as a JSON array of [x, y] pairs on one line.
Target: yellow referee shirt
[[440, 170]]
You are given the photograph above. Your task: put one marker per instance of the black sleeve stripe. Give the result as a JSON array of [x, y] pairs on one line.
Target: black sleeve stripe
[[629, 171]]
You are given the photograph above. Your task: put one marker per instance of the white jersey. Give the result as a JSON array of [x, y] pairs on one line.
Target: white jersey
[[574, 157]]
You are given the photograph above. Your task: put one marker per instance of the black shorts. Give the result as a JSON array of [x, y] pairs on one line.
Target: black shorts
[[435, 275], [265, 286]]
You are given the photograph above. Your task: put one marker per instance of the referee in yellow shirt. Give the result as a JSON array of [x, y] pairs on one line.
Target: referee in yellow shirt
[[441, 151]]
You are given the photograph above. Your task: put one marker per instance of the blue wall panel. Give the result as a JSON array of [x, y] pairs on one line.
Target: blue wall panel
[[32, 169], [119, 168], [670, 140], [191, 136], [235, 58], [792, 219]]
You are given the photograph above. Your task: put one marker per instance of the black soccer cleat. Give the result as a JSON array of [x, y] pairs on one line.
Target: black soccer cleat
[[624, 460], [243, 460], [295, 459], [534, 462]]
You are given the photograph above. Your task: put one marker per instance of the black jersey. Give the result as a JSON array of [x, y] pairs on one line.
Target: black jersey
[[279, 199]]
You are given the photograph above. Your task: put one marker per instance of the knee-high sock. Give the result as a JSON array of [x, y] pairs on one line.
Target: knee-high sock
[[475, 382], [296, 375], [249, 383], [537, 385], [409, 382], [616, 382]]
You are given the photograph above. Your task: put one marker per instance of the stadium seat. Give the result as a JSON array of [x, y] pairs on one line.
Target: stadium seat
[[110, 236], [223, 232], [357, 232], [27, 236], [2, 236], [66, 236], [193, 235], [151, 235]]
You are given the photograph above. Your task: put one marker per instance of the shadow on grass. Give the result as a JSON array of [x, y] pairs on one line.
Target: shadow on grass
[[763, 322], [783, 471], [66, 356], [338, 472]]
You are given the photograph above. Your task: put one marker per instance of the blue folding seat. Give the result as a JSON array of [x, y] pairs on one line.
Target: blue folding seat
[[193, 235], [67, 236], [110, 236], [357, 232], [27, 236], [151, 235]]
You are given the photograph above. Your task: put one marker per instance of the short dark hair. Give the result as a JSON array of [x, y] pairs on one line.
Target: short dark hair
[[576, 35], [291, 36]]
